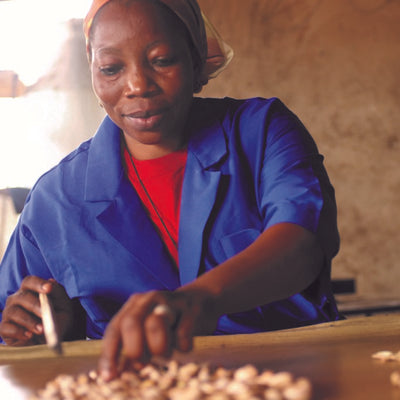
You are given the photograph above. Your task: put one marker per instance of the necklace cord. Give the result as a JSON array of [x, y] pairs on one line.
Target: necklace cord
[[147, 193]]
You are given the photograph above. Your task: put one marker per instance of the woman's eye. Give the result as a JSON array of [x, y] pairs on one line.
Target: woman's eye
[[110, 70], [164, 61]]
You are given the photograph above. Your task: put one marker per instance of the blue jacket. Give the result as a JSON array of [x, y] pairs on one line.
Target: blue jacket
[[251, 164]]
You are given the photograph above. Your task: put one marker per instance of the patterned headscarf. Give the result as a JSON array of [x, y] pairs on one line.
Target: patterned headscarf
[[214, 53]]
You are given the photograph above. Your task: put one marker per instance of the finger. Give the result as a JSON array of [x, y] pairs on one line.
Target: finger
[[184, 332], [123, 334], [26, 320], [57, 290], [60, 299], [23, 308], [158, 335], [111, 348], [36, 284], [133, 336], [168, 314], [132, 325], [14, 335]]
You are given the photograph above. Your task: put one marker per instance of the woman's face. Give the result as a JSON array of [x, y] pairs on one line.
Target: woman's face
[[142, 72]]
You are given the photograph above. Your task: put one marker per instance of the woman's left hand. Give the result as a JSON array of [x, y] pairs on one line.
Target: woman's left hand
[[154, 324]]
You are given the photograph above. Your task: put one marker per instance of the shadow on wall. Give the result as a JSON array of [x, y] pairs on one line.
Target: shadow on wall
[[18, 196], [12, 202]]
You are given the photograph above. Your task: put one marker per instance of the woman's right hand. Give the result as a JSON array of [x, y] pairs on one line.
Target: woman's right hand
[[21, 323], [155, 323]]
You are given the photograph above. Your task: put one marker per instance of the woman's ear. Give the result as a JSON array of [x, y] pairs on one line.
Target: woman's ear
[[197, 85], [199, 79]]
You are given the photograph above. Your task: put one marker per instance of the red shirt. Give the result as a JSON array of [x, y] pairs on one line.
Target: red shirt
[[159, 189]]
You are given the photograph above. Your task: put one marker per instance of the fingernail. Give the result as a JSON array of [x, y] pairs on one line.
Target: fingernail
[[46, 286], [28, 334], [104, 369], [39, 328], [105, 374]]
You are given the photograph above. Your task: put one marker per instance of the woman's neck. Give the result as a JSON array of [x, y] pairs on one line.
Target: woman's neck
[[141, 151]]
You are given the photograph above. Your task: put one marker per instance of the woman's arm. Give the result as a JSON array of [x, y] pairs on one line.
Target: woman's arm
[[284, 260], [24, 274]]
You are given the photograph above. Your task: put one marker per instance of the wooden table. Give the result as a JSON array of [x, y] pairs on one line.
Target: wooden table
[[354, 304], [336, 357]]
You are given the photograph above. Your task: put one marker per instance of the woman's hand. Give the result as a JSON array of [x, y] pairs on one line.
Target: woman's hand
[[21, 323], [142, 328], [283, 261]]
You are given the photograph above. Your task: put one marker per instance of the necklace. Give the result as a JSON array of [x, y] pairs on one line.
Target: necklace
[[147, 194]]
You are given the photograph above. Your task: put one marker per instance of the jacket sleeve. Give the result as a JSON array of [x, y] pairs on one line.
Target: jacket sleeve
[[293, 184], [22, 258]]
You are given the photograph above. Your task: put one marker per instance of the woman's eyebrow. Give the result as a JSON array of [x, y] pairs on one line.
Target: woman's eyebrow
[[115, 51], [107, 51]]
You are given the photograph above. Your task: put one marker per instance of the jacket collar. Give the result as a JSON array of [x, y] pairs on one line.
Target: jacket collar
[[206, 142], [104, 167]]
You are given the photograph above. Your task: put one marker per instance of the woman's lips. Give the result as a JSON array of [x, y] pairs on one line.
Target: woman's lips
[[144, 119], [142, 113]]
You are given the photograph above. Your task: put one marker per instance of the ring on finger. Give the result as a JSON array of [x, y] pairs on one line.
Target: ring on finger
[[167, 312]]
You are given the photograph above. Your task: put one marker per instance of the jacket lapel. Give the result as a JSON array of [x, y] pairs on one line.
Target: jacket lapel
[[199, 191], [129, 224], [119, 208], [198, 197]]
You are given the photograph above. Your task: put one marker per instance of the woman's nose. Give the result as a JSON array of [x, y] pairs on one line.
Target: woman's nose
[[138, 83]]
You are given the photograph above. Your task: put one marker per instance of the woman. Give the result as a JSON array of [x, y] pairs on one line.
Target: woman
[[181, 216]]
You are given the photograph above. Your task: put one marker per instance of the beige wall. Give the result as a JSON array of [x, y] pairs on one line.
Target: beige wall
[[337, 65], [8, 220]]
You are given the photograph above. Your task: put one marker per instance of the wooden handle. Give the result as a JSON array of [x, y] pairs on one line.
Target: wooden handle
[[49, 326]]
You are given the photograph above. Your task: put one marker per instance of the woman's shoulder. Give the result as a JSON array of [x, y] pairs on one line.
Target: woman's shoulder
[[61, 184], [228, 109], [72, 163], [254, 112], [71, 170], [237, 103]]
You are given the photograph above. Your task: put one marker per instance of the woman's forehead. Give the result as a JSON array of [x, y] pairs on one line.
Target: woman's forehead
[[135, 18]]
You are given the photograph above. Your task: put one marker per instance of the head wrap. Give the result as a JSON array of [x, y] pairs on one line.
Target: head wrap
[[214, 53]]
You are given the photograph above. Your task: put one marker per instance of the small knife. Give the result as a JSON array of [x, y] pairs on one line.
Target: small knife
[[49, 326]]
